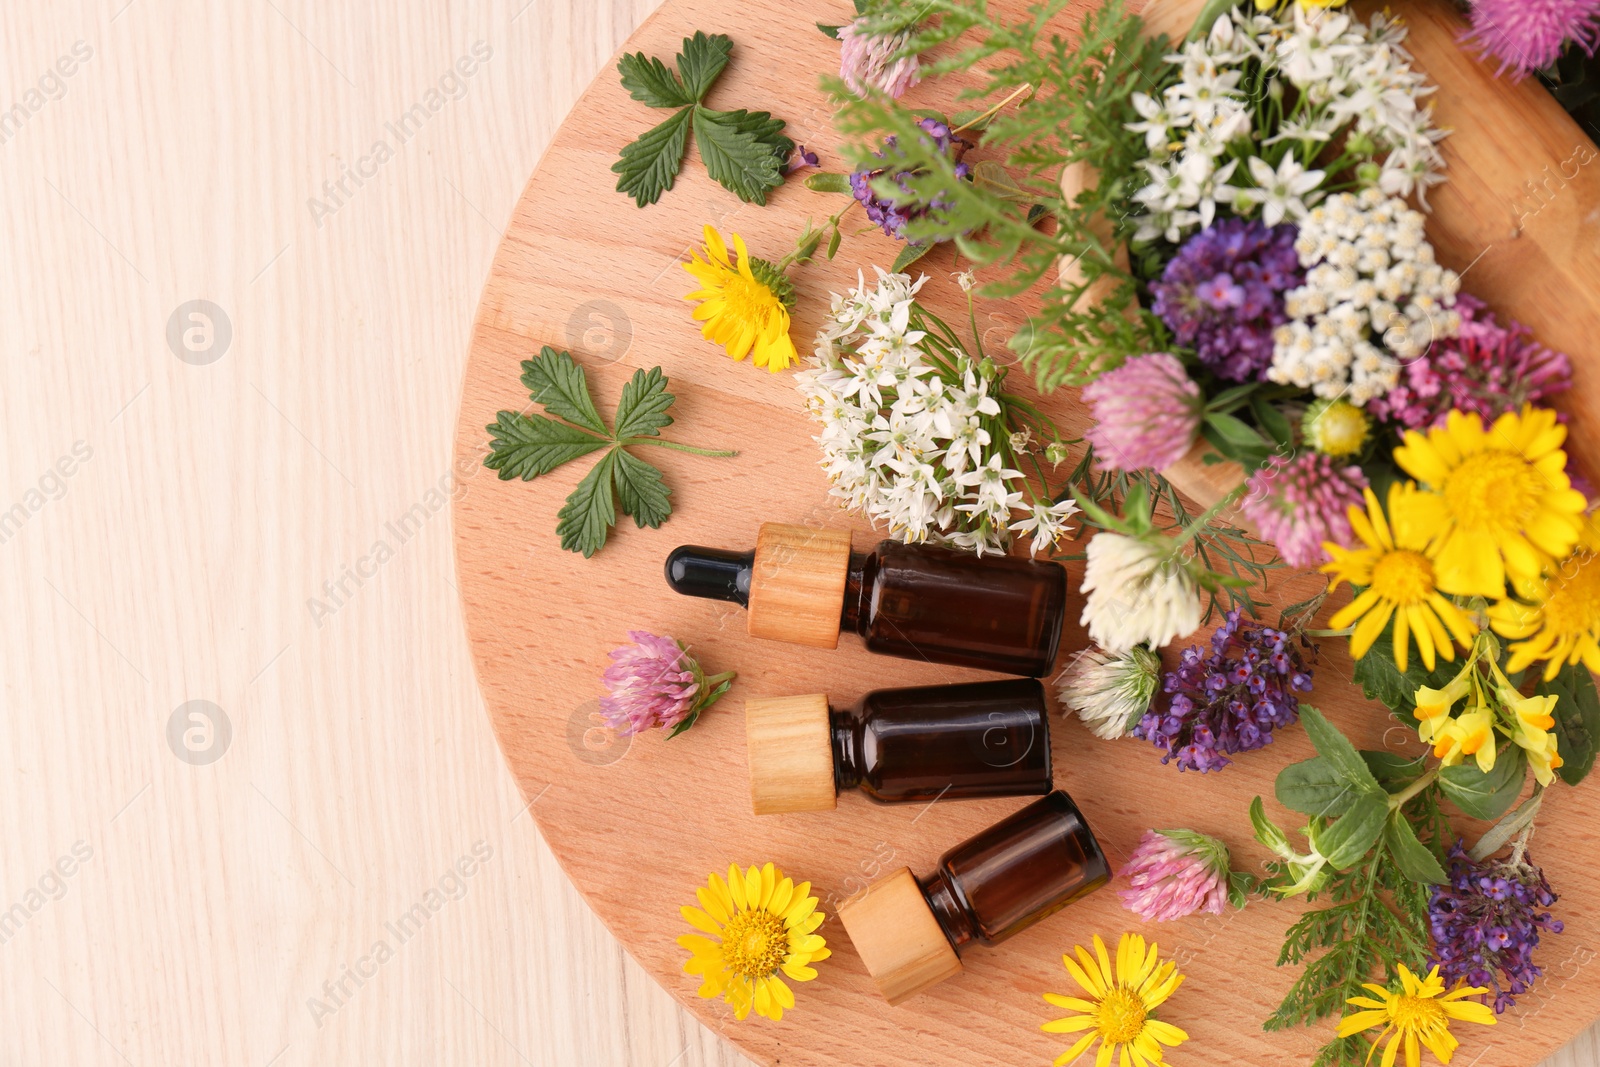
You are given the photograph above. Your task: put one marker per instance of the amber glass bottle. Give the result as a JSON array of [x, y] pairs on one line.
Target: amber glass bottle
[[801, 585], [910, 932], [981, 739]]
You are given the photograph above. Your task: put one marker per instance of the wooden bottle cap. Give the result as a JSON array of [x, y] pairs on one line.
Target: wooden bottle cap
[[797, 584], [791, 754], [897, 937]]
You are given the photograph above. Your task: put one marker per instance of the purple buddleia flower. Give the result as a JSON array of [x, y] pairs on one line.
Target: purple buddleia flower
[[886, 213], [1231, 700], [654, 682], [1486, 922], [1222, 294]]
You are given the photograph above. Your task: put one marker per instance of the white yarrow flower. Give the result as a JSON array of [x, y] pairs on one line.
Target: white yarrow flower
[[1110, 691], [1138, 593]]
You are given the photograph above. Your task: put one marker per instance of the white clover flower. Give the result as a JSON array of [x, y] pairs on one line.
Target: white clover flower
[[1139, 593], [1110, 691]]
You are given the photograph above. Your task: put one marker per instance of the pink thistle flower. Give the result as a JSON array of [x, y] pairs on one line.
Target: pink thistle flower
[[1528, 35], [1299, 503], [868, 61], [1146, 413], [1174, 873], [654, 682]]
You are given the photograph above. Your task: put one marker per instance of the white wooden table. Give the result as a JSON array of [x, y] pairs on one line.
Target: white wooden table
[[240, 502]]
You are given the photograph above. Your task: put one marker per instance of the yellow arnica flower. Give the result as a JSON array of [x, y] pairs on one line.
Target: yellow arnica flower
[[1500, 504], [760, 925], [1560, 621], [1120, 1005], [1397, 571], [745, 303], [1420, 1014]]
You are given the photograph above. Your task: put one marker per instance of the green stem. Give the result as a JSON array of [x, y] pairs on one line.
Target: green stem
[[717, 679], [1204, 518], [1399, 800], [1345, 632], [677, 447]]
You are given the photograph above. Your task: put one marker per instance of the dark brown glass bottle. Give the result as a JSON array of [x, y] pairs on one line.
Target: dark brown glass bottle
[[998, 613], [951, 742], [910, 932]]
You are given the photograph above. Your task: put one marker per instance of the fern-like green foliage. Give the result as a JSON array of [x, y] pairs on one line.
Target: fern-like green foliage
[[1081, 103]]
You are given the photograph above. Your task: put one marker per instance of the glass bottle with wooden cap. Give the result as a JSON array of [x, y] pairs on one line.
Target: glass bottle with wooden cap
[[910, 932], [980, 739], [804, 585]]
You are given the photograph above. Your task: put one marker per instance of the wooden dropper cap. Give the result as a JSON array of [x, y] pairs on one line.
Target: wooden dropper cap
[[791, 754], [897, 937], [797, 584]]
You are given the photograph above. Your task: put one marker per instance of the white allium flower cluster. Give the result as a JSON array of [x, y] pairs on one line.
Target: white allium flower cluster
[[913, 441], [1345, 80], [1138, 593], [1373, 297], [1109, 691]]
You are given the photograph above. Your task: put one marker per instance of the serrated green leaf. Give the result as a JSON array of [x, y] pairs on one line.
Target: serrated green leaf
[[1313, 787], [526, 446], [1341, 755], [737, 154], [652, 82], [1382, 680], [556, 382], [589, 513], [1485, 796], [642, 411], [649, 166], [1577, 715], [1415, 860], [701, 59], [1352, 834], [640, 490]]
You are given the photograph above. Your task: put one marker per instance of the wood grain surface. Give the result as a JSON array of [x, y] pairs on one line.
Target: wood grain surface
[[639, 823], [177, 162]]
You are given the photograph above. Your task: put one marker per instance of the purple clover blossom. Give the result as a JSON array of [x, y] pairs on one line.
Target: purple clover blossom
[[1231, 700], [886, 213], [1301, 502], [654, 682], [1174, 873], [1527, 35], [1222, 294], [1486, 923], [1486, 368]]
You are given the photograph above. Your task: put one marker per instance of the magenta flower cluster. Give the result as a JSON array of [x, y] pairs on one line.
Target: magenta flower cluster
[[1174, 873], [1146, 413], [1486, 922], [1528, 35], [1222, 294], [1298, 503], [886, 212], [1230, 700], [653, 683], [1488, 368]]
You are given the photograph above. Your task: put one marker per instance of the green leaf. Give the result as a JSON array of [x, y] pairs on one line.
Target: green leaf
[[701, 60], [1234, 438], [556, 381], [642, 411], [640, 490], [1267, 832], [909, 255], [649, 166], [738, 151], [1393, 771], [1577, 715], [829, 182], [1352, 834], [1382, 680], [1274, 422], [1485, 796], [526, 446], [1415, 860], [1313, 787], [833, 243], [650, 81], [829, 31], [589, 511], [1341, 755]]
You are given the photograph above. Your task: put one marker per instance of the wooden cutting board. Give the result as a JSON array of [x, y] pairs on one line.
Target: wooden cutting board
[[639, 824]]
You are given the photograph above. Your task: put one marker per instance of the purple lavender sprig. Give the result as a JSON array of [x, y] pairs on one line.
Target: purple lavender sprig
[[1487, 920], [886, 213], [1231, 700], [654, 682]]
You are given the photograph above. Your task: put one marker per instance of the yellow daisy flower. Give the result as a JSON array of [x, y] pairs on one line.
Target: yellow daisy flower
[[1500, 506], [1119, 1012], [1560, 622], [760, 924], [1420, 1014], [1397, 570], [745, 303]]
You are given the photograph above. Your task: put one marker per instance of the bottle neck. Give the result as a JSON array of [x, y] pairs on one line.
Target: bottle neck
[[844, 730], [858, 578], [949, 908]]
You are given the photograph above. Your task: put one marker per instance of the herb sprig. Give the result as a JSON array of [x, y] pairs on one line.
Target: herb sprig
[[743, 150], [526, 446]]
